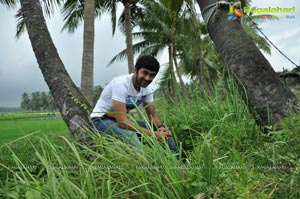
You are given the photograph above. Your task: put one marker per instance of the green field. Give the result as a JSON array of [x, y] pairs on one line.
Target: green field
[[17, 125]]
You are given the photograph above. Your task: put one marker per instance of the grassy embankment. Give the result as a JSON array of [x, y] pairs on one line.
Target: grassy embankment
[[223, 154]]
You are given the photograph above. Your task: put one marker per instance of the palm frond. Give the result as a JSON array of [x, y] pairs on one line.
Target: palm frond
[[154, 50], [119, 57], [165, 75], [73, 12], [20, 24], [137, 48], [50, 6], [9, 3], [251, 29], [113, 18], [137, 14]]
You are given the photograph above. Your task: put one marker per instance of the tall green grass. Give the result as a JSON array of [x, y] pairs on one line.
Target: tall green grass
[[112, 170], [223, 154]]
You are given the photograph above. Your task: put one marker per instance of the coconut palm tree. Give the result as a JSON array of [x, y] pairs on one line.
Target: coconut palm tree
[[49, 7], [264, 89], [198, 56], [87, 69], [132, 13], [88, 7], [165, 21], [266, 94], [71, 103], [76, 10], [73, 11]]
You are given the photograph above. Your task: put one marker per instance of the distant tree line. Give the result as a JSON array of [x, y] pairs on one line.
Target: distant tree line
[[10, 109], [38, 101], [43, 101], [97, 92]]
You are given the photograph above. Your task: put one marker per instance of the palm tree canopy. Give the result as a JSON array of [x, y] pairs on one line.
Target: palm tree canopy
[[166, 21]]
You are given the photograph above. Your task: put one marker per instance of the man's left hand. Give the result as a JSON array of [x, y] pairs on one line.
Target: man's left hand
[[166, 131]]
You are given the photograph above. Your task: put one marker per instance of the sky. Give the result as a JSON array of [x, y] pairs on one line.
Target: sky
[[19, 71]]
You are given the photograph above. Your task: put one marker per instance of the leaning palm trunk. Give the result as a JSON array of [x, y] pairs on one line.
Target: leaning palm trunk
[[266, 93], [87, 72], [67, 97], [128, 32]]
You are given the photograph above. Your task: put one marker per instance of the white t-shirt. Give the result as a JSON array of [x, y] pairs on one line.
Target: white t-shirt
[[121, 89]]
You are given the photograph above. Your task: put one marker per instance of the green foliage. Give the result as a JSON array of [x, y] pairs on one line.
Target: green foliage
[[220, 111], [78, 102], [42, 101], [230, 156], [38, 101], [69, 170], [223, 154], [97, 92]]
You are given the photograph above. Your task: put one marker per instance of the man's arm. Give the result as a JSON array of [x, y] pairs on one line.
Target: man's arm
[[153, 116], [125, 123]]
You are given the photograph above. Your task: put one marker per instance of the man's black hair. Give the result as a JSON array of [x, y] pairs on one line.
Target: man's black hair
[[148, 62]]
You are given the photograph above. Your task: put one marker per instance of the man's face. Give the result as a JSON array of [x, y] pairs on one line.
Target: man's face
[[144, 77]]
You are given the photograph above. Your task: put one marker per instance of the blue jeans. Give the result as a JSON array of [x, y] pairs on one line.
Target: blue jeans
[[110, 127]]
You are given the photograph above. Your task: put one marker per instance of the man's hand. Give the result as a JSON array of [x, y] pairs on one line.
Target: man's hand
[[163, 133]]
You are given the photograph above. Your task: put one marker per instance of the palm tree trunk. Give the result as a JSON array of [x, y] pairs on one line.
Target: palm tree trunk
[[199, 65], [128, 30], [179, 74], [266, 93], [87, 72], [68, 98], [173, 78]]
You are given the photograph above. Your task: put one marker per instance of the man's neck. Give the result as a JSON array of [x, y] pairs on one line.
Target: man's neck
[[135, 84]]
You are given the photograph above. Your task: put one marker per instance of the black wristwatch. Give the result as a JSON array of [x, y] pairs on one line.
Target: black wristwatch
[[159, 126]]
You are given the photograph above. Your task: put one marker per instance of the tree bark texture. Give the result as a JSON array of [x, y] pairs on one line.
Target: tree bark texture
[[87, 71], [128, 32], [68, 98], [266, 94]]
